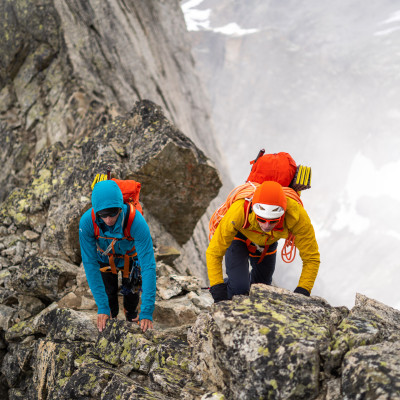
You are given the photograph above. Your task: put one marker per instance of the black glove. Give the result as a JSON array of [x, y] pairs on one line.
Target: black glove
[[219, 292], [302, 291]]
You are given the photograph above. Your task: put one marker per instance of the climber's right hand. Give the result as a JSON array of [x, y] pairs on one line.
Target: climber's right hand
[[101, 321]]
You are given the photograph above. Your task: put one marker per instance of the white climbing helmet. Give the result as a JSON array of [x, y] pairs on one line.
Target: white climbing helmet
[[268, 211]]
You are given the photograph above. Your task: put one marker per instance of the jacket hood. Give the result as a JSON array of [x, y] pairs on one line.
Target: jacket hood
[[106, 194]]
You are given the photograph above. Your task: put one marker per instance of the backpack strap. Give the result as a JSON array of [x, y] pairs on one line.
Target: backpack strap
[[127, 235], [250, 246], [95, 226], [247, 211], [127, 223], [129, 220]]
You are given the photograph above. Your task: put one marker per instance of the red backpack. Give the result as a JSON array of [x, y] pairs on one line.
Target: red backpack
[[130, 192], [278, 167]]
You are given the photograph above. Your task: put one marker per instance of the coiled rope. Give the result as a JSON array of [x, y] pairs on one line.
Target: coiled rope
[[246, 191]]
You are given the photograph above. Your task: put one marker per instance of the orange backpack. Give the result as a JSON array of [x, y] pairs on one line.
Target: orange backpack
[[278, 167], [130, 192]]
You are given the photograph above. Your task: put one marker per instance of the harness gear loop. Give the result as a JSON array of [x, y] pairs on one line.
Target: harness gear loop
[[253, 249], [110, 251], [125, 274], [112, 264], [264, 252]]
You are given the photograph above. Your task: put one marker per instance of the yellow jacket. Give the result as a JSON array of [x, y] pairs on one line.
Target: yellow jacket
[[296, 220]]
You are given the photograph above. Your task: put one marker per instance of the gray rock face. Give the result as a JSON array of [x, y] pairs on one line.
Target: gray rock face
[[45, 278], [63, 64], [273, 344], [70, 360], [278, 345], [372, 371], [143, 146], [69, 67], [50, 352]]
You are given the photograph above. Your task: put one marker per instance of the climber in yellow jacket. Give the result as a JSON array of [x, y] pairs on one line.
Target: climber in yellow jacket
[[270, 216]]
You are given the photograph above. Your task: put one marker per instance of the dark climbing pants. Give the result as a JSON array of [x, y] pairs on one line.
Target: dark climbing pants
[[237, 267], [130, 301]]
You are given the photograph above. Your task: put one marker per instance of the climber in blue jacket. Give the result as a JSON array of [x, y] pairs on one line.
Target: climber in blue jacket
[[109, 214]]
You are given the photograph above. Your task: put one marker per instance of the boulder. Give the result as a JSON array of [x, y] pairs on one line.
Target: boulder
[[54, 363], [368, 322], [266, 345], [143, 146], [121, 363], [273, 344], [372, 371], [175, 312], [44, 277], [6, 316], [64, 70], [174, 285]]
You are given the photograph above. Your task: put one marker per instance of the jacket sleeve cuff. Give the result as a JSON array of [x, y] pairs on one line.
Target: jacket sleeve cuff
[[303, 291], [103, 310], [219, 292], [145, 316]]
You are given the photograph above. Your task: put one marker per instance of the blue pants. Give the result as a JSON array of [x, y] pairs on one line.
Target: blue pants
[[237, 267]]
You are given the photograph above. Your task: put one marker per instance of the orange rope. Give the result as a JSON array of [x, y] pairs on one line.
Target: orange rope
[[246, 191], [289, 255], [240, 192], [289, 192]]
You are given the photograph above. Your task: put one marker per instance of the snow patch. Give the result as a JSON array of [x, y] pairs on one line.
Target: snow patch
[[387, 31], [395, 17], [197, 20], [233, 29]]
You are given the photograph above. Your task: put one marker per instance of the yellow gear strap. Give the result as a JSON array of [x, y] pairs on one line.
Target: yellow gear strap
[[98, 178]]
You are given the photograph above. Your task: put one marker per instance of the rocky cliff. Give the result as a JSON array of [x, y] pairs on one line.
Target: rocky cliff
[[67, 67], [273, 344], [63, 62], [39, 247], [73, 79]]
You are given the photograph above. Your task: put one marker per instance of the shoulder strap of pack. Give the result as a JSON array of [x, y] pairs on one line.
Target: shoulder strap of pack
[[95, 226], [247, 210], [129, 220]]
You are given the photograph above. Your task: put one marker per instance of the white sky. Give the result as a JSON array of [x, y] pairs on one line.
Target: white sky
[[365, 180], [357, 238]]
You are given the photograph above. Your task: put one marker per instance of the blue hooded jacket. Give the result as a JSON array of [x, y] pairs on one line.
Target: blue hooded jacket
[[107, 194]]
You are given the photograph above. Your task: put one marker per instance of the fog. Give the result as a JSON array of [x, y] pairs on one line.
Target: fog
[[320, 81]]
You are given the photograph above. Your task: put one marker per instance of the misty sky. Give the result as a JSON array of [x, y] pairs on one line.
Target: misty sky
[[335, 107]]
